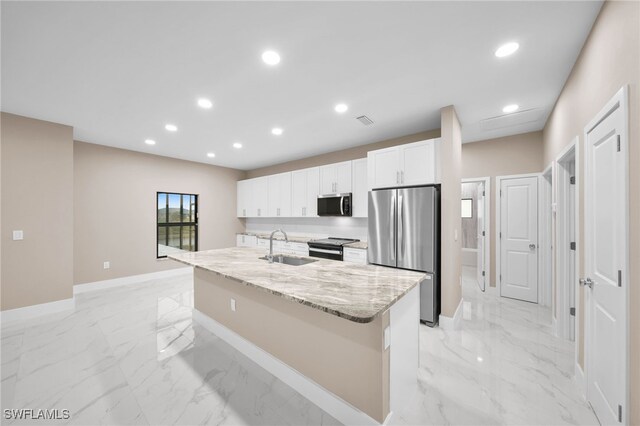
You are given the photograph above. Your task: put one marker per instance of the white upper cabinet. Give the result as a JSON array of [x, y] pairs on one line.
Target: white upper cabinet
[[335, 178], [383, 167], [404, 165], [243, 198], [279, 199], [418, 163], [305, 185], [259, 193], [359, 199]]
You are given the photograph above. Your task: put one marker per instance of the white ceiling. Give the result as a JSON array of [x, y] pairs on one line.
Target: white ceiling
[[117, 72]]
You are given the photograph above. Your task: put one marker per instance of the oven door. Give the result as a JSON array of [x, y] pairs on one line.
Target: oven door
[[334, 205], [333, 254]]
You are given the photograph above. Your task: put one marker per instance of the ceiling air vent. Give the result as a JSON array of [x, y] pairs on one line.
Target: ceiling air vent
[[510, 120], [364, 120]]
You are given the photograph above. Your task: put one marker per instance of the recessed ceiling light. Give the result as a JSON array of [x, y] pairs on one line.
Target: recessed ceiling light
[[507, 49], [341, 108], [211, 154], [205, 103], [150, 142], [510, 108], [271, 58], [171, 127], [479, 359], [276, 131], [237, 145]]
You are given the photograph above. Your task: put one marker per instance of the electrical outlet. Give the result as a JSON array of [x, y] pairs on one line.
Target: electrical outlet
[[233, 305], [18, 235], [106, 265]]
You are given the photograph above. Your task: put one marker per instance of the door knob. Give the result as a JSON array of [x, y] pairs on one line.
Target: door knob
[[532, 246], [587, 282]]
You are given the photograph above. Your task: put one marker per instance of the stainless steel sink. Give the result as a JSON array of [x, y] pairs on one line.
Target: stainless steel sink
[[289, 260]]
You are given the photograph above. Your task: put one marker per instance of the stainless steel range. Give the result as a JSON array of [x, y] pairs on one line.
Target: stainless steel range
[[329, 248]]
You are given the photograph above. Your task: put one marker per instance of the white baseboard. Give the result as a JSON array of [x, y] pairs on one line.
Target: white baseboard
[[33, 311], [340, 409], [448, 323], [132, 279], [580, 382]]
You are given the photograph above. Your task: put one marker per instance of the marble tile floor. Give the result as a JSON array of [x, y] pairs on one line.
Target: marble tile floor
[[133, 355]]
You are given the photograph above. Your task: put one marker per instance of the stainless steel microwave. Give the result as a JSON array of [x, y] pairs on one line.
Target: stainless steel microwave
[[334, 204]]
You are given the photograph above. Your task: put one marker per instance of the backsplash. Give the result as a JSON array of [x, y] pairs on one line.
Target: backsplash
[[321, 227]]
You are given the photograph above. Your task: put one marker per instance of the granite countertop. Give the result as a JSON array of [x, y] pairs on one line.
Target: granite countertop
[[358, 245], [278, 237], [358, 293], [297, 239]]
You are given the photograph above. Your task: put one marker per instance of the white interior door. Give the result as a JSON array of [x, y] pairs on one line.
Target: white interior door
[[481, 233], [606, 267], [519, 238]]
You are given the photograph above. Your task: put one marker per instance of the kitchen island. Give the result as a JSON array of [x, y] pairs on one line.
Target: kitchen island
[[343, 335]]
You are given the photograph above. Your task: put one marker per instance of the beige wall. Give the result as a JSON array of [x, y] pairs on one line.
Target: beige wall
[[343, 155], [510, 155], [450, 220], [346, 358], [609, 60], [37, 197], [115, 208]]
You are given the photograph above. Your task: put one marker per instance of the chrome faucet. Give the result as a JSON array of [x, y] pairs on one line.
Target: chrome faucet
[[270, 256]]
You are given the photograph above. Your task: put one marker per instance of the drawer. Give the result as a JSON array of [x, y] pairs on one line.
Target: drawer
[[355, 256], [299, 247], [263, 242]]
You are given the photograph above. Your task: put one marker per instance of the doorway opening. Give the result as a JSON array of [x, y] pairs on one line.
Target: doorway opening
[[546, 241], [475, 205], [566, 244]]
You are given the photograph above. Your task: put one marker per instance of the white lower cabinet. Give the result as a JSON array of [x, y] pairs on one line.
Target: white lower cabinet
[[355, 256], [243, 240]]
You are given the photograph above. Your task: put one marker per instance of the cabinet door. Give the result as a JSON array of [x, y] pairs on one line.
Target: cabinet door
[[279, 199], [260, 196], [242, 198], [328, 179], [360, 193], [298, 192], [285, 195], [383, 168], [313, 190], [273, 183], [417, 163], [343, 178]]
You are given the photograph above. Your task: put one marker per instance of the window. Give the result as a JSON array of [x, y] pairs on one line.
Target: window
[[467, 208], [177, 223]]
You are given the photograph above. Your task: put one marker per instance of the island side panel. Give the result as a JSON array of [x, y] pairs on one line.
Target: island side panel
[[345, 357]]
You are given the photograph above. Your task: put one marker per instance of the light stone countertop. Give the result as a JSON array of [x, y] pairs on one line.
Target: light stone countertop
[[278, 237], [298, 239], [362, 245], [358, 293]]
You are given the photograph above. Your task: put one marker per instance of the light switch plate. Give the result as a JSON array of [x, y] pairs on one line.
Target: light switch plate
[[387, 337], [18, 235], [106, 265], [233, 305]]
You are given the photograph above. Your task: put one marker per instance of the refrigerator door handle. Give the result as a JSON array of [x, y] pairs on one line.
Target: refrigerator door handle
[[392, 236], [401, 225]]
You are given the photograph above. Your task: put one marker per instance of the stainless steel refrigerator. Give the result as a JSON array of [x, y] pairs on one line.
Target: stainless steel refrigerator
[[404, 232]]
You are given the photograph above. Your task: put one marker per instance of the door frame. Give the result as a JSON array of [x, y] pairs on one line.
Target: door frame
[[621, 100], [487, 224], [562, 239], [546, 244], [499, 180]]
